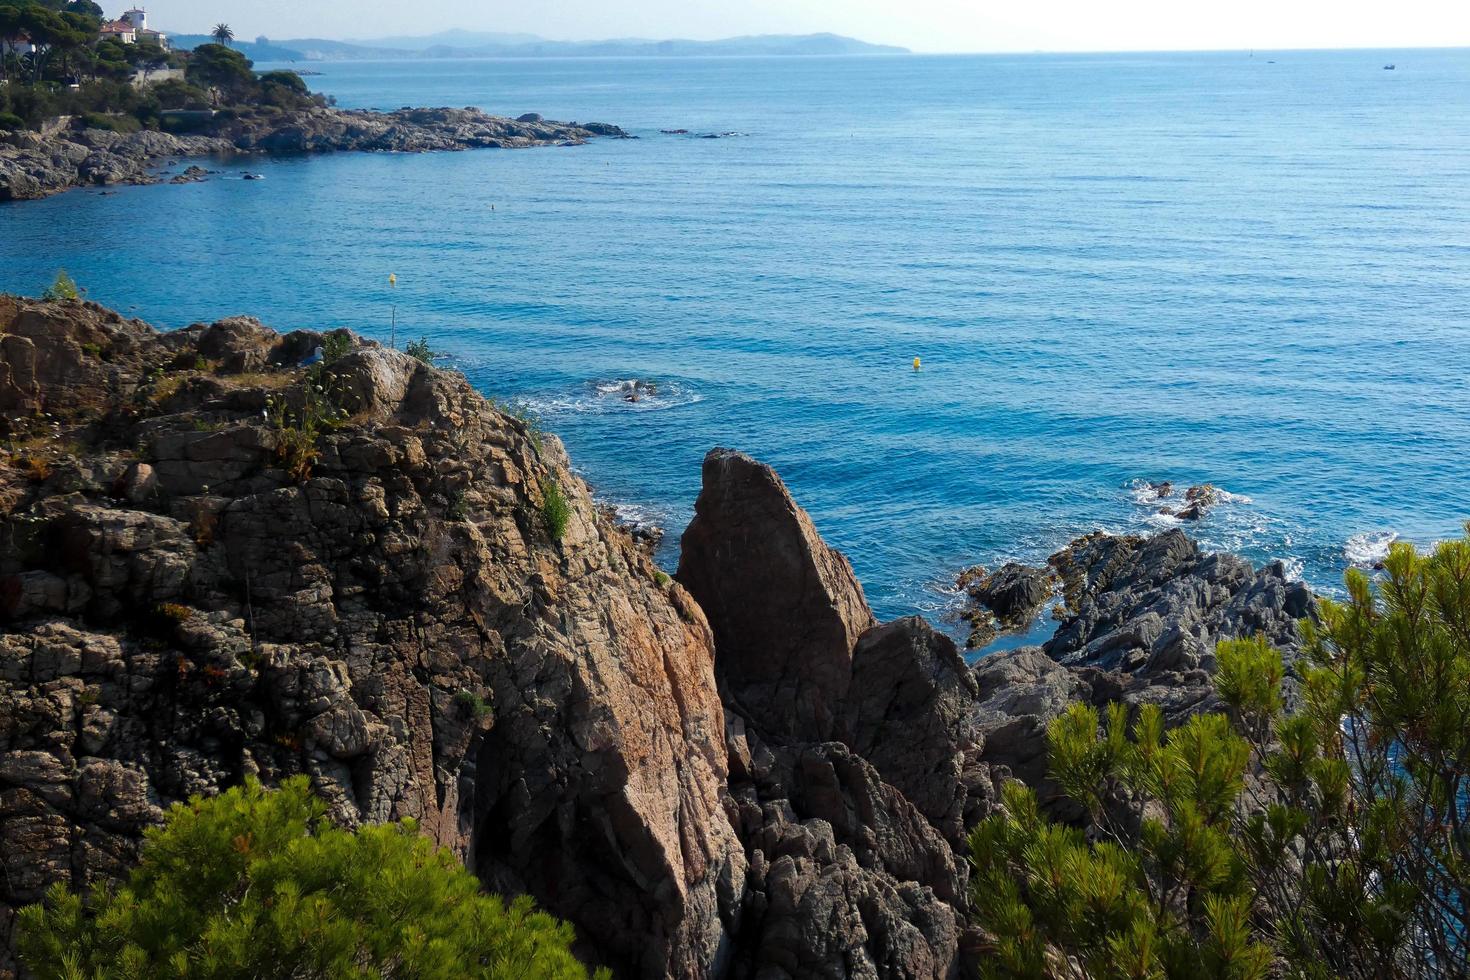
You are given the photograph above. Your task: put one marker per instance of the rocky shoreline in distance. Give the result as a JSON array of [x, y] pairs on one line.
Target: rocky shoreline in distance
[[33, 165], [733, 773]]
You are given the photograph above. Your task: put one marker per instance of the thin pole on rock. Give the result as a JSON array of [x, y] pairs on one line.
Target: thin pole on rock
[[249, 610], [393, 337]]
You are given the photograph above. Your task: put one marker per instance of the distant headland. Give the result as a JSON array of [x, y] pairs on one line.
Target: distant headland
[[473, 44]]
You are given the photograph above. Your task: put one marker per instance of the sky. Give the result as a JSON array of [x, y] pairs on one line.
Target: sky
[[923, 25]]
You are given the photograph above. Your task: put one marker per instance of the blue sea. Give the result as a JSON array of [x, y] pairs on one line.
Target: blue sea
[[1247, 270]]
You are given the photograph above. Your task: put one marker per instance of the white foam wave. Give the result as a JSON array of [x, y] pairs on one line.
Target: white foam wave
[[1150, 492], [637, 515], [1146, 492], [1295, 568], [1367, 549], [604, 396]]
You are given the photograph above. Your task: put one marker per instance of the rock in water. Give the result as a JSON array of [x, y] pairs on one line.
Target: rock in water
[[1150, 611], [34, 166], [786, 609], [1008, 598]]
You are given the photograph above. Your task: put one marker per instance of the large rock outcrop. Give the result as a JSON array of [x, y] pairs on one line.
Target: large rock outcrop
[[215, 564], [852, 746], [786, 609], [860, 758], [910, 711], [178, 610]]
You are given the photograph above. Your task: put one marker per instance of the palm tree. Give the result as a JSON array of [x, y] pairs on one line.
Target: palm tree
[[222, 34]]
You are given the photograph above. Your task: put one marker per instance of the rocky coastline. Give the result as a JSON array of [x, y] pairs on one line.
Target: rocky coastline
[[736, 772], [34, 165]]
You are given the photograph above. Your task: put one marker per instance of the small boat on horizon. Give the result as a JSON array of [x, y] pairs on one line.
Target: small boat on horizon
[[1389, 67]]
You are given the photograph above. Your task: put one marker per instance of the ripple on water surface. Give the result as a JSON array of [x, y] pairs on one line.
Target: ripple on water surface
[[1266, 293]]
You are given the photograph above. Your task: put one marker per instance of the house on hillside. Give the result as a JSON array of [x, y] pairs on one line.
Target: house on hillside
[[119, 30], [19, 45], [137, 20]]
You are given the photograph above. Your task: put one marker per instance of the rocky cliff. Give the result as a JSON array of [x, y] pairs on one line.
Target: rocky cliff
[[215, 562], [33, 166], [179, 610]]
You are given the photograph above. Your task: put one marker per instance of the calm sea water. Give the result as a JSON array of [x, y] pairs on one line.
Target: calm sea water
[[1253, 271]]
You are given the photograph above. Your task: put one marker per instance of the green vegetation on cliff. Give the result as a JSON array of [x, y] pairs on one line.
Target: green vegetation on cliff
[[55, 61], [258, 883], [1331, 841]]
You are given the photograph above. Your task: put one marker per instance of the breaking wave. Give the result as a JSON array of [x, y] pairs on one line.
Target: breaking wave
[[1367, 549], [604, 396]]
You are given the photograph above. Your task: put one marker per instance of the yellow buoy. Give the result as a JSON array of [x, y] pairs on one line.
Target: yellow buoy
[[916, 364]]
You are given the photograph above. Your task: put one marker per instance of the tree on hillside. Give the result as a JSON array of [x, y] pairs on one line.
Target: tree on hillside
[[149, 56], [175, 93], [285, 89], [1330, 842], [12, 29], [224, 70], [222, 34], [258, 883]]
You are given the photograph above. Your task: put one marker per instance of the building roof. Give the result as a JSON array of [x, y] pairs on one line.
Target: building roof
[[117, 27]]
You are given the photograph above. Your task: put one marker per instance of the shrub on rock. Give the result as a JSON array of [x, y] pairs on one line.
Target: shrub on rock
[[1330, 842], [257, 883]]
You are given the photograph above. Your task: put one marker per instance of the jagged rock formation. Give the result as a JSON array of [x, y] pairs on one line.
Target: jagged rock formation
[[1146, 614], [33, 166], [785, 608], [177, 611], [853, 802], [748, 779]]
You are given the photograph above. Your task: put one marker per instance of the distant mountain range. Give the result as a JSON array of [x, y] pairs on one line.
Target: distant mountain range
[[473, 44]]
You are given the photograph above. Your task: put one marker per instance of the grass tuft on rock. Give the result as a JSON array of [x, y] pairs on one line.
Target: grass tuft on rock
[[556, 510], [64, 287]]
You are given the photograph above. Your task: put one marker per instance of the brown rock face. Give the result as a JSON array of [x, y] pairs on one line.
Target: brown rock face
[[195, 588], [851, 746], [177, 611], [786, 609], [910, 712]]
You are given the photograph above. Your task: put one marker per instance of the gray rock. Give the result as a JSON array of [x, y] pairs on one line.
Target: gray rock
[[1008, 598], [1152, 610], [910, 712]]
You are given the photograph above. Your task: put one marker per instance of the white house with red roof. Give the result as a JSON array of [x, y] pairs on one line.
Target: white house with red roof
[[20, 44], [132, 28], [119, 30]]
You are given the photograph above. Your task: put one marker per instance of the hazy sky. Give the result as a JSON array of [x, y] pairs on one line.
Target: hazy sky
[[924, 25]]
